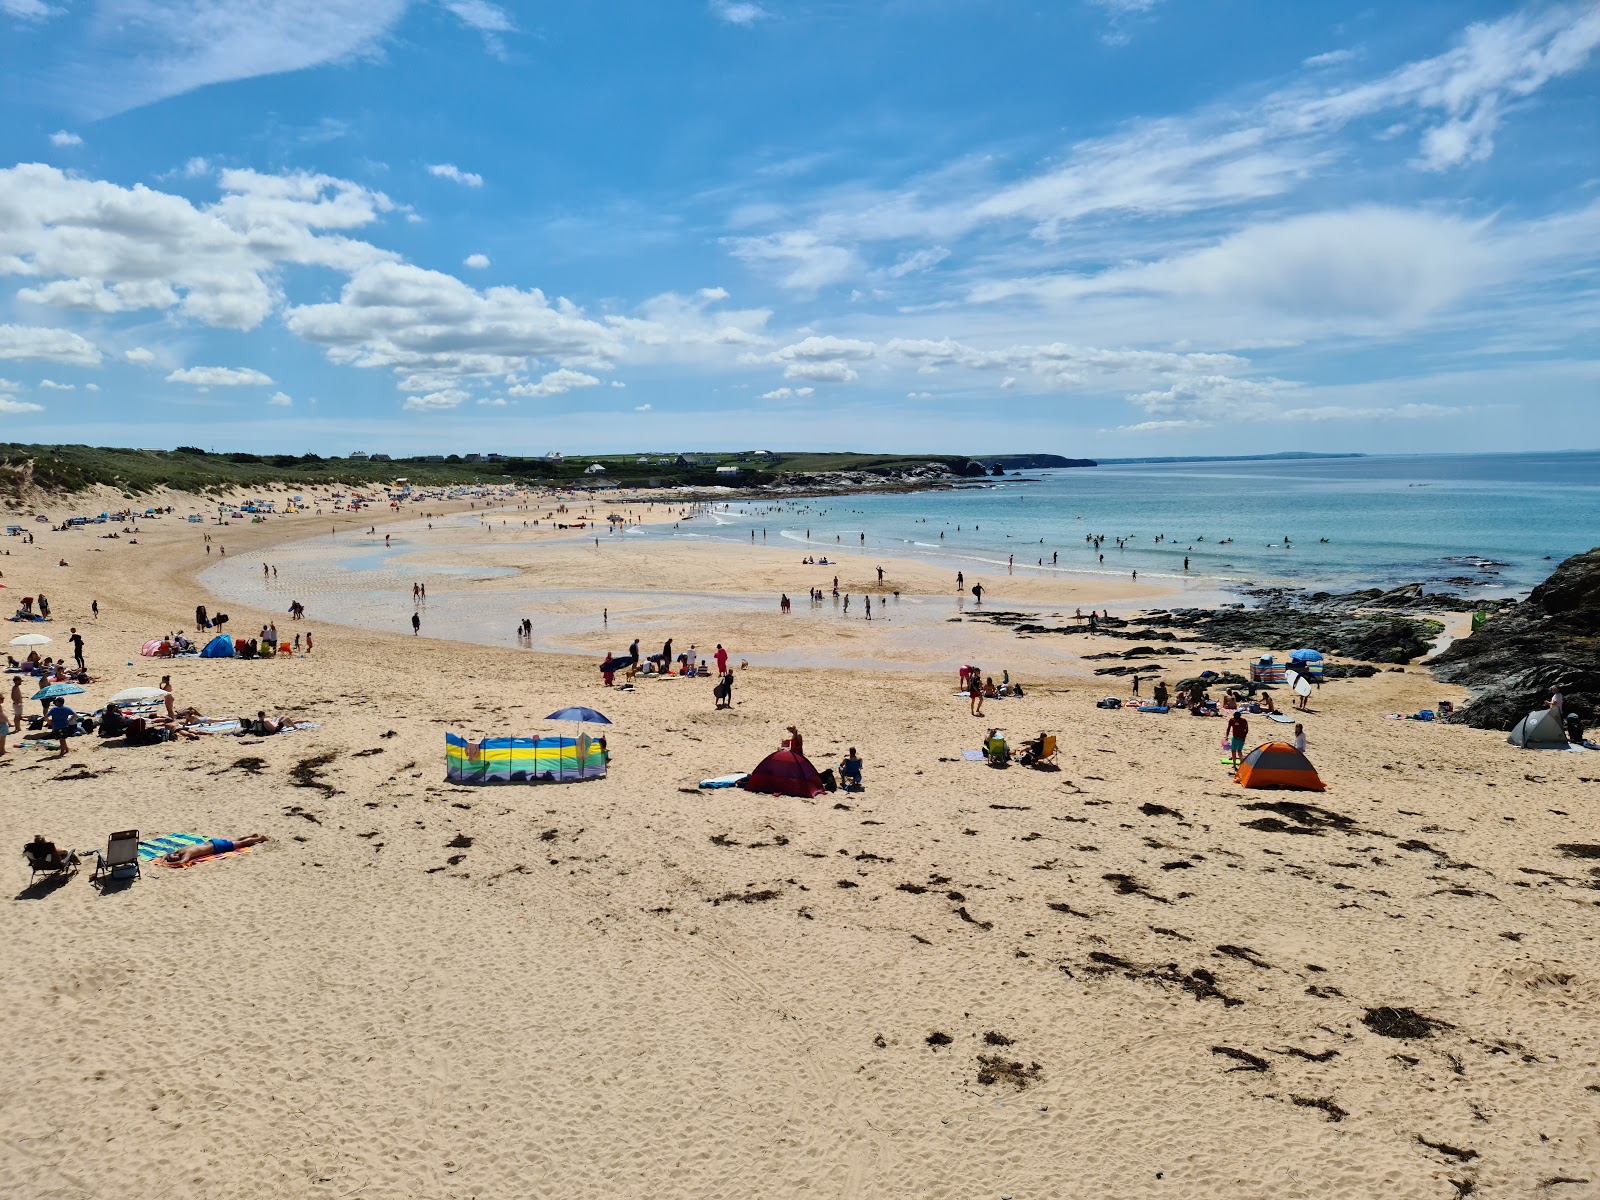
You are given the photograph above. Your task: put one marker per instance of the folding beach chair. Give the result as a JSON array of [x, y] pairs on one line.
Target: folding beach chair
[[122, 852], [45, 859], [1047, 749]]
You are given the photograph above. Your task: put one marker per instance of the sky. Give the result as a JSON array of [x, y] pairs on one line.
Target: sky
[[1085, 227]]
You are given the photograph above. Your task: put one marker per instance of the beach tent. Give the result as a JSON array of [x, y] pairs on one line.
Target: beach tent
[[1539, 730], [220, 646], [523, 760], [151, 648], [1278, 764], [785, 773]]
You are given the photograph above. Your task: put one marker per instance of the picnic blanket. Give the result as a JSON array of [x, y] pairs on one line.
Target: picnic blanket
[[973, 755], [156, 848], [725, 781]]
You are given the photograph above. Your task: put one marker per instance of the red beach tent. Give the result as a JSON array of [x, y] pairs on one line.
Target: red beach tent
[[787, 774]]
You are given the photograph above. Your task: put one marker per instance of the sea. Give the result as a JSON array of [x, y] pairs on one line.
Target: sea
[[1487, 525]]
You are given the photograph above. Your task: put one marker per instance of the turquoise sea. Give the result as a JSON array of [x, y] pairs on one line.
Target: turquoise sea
[[1495, 524]]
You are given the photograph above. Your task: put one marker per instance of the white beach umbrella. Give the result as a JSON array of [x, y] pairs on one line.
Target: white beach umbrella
[[30, 639], [137, 695]]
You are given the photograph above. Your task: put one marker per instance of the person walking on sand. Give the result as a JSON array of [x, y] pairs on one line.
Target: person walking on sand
[[62, 720], [308, 641], [975, 692], [1238, 730], [961, 581], [77, 648], [977, 590], [94, 607], [416, 624]]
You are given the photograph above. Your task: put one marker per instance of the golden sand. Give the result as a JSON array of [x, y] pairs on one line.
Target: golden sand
[[1116, 979]]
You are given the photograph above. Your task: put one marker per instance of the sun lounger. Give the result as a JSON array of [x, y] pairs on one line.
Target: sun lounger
[[121, 856]]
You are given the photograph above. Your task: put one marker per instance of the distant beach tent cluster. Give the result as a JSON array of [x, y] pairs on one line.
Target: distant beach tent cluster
[[523, 760]]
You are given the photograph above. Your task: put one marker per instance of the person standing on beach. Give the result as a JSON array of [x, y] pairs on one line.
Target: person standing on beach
[[94, 607], [722, 660], [1238, 730], [77, 648], [416, 624], [961, 581], [308, 641], [977, 590], [975, 692], [16, 702]]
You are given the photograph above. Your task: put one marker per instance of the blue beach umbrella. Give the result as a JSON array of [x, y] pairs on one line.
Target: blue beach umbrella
[[57, 689], [1305, 655], [580, 714]]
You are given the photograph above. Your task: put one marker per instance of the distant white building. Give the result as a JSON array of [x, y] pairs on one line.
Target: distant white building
[[594, 469], [727, 471], [764, 455], [359, 456], [643, 460], [553, 456]]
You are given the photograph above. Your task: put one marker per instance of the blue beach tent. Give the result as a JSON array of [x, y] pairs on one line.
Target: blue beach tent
[[220, 646]]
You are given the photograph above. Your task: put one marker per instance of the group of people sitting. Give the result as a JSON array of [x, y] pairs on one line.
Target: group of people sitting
[[997, 751], [47, 670]]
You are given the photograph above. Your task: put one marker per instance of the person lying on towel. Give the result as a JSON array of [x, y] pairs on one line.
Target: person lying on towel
[[189, 854]]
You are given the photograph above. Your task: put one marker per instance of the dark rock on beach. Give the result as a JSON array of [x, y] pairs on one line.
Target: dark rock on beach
[[1513, 660]]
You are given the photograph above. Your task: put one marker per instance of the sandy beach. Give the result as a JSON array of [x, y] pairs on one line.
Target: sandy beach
[[1129, 977]]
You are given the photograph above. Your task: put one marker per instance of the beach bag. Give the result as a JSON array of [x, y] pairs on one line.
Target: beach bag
[[1109, 702]]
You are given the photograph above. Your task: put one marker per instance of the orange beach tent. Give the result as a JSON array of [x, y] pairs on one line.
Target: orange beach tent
[[1278, 764]]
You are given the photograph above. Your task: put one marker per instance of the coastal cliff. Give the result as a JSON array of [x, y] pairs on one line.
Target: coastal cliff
[[1516, 657]]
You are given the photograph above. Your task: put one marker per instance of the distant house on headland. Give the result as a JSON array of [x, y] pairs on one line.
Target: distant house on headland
[[763, 455], [727, 471], [380, 458], [553, 456], [594, 469], [359, 456], [688, 460]]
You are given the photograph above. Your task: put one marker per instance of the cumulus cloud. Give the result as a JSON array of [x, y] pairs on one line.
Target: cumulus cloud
[[643, 407], [820, 372], [62, 137], [435, 401], [476, 261], [15, 407], [554, 384], [785, 393], [105, 248], [456, 175], [91, 387], [50, 385], [139, 356], [29, 10], [695, 328], [407, 319], [280, 400], [919, 261], [219, 377], [617, 383], [494, 402], [44, 344]]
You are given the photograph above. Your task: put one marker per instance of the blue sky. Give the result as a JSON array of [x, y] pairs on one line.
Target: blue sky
[[1107, 227]]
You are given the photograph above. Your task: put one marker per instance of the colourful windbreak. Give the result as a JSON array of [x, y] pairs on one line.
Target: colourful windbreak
[[523, 760]]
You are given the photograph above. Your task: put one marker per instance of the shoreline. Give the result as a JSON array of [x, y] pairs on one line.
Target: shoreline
[[635, 987]]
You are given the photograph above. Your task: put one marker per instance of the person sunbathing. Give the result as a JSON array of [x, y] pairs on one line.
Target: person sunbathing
[[206, 849]]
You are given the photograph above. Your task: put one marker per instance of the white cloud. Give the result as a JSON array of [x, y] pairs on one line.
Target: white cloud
[[642, 407], [62, 137], [677, 328], [494, 402], [220, 377], [404, 318], [108, 249], [476, 261], [920, 261], [143, 52], [10, 385], [919, 395], [43, 344], [435, 401], [91, 387], [50, 385], [1331, 58], [29, 10], [480, 15], [280, 400], [196, 167], [139, 356], [554, 384], [13, 406], [456, 175], [807, 260], [785, 393], [820, 372], [738, 12], [617, 383], [815, 349]]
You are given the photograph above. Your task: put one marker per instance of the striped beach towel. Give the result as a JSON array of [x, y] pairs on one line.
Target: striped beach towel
[[156, 848]]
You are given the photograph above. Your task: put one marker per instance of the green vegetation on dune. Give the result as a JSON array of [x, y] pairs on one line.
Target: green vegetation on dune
[[75, 468]]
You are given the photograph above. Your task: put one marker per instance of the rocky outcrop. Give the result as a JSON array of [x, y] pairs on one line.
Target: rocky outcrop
[[1333, 629], [1514, 658], [929, 475]]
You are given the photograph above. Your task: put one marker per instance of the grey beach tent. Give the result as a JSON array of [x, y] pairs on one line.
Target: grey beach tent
[[1539, 730]]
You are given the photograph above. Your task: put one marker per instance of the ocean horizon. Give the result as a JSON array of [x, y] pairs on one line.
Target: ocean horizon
[[1488, 525]]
